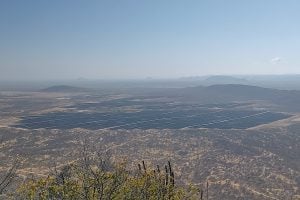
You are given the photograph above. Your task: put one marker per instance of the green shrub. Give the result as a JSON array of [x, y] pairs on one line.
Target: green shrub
[[91, 180]]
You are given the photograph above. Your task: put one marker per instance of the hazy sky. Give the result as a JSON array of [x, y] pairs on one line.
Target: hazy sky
[[60, 39]]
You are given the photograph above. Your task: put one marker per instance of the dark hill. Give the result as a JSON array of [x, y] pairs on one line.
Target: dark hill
[[243, 91], [214, 80], [64, 89], [235, 92]]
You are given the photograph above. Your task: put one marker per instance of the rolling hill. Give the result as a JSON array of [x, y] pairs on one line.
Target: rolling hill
[[64, 89], [289, 99]]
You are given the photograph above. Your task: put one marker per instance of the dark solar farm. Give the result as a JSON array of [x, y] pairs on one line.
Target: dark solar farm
[[150, 115]]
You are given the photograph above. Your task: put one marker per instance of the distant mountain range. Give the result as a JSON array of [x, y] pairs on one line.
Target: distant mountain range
[[286, 82], [269, 81], [220, 93]]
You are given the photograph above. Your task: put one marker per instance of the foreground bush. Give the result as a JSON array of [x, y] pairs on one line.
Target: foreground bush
[[91, 180]]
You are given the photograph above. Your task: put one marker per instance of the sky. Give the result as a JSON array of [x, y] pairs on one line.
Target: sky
[[136, 39]]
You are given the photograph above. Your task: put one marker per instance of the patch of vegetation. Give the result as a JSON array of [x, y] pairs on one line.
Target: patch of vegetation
[[93, 177]]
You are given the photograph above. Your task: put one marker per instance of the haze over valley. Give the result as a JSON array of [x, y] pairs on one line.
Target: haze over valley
[[242, 139], [143, 100]]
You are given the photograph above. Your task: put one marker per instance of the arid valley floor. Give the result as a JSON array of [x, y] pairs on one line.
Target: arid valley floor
[[245, 149]]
